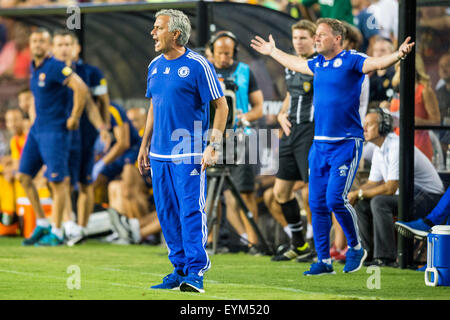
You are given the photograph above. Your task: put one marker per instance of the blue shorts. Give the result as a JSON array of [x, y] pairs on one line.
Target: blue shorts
[[179, 191], [87, 155], [115, 168], [49, 148]]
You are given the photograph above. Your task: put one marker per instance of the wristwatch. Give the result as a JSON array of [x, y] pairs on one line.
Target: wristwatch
[[215, 145], [360, 194]]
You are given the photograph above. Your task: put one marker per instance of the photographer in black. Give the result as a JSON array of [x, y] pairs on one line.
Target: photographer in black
[[249, 103]]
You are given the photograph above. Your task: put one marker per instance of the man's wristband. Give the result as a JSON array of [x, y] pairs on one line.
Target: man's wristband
[[400, 58]]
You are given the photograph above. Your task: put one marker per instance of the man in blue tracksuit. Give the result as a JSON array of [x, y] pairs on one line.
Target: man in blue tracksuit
[[181, 84], [336, 150]]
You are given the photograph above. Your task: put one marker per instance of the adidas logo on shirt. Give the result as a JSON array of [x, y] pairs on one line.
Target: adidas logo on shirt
[[167, 70], [194, 172]]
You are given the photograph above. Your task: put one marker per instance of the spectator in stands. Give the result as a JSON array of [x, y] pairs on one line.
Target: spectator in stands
[[381, 88], [366, 23], [433, 26], [377, 200], [337, 9], [443, 97], [386, 16], [3, 34], [426, 107], [15, 56]]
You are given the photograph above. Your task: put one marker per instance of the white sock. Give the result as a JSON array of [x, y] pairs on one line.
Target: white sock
[[288, 231], [57, 232], [42, 222], [244, 238], [357, 247], [309, 231], [135, 230]]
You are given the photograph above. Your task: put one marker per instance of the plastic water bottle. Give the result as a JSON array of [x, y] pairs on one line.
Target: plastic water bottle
[[447, 159]]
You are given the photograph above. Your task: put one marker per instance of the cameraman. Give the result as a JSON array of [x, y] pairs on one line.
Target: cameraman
[[249, 103]]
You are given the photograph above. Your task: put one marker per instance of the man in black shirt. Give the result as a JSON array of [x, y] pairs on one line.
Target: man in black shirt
[[381, 80], [297, 121], [249, 103]]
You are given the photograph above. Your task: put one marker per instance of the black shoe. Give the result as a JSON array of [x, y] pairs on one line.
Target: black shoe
[[381, 262], [294, 253], [310, 258]]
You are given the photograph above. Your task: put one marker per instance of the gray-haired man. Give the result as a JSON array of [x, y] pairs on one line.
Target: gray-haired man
[[181, 84]]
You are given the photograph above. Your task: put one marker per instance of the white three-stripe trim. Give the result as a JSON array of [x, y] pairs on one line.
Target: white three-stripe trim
[[215, 93], [201, 203]]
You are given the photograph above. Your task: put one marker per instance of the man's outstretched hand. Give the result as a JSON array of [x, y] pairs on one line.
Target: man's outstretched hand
[[262, 46], [405, 48]]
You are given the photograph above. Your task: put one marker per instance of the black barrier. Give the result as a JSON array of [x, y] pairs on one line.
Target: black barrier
[[116, 38]]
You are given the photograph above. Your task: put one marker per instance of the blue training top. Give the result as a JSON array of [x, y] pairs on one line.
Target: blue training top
[[50, 94], [337, 90], [181, 90]]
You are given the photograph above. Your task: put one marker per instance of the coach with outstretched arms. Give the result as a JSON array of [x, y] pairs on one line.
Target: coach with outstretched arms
[[181, 84], [336, 150]]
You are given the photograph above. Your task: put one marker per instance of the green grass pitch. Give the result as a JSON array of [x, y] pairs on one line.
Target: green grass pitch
[[108, 271]]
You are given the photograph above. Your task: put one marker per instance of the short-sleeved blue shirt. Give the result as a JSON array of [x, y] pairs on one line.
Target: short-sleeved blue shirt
[[337, 90], [181, 90], [50, 94], [96, 82]]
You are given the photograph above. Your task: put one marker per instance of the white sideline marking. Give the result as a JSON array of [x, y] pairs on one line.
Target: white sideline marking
[[114, 283], [250, 285], [193, 294]]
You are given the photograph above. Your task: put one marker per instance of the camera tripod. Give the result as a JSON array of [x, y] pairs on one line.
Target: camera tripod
[[218, 175]]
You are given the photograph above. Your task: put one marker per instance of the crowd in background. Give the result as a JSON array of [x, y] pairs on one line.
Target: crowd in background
[[372, 29]]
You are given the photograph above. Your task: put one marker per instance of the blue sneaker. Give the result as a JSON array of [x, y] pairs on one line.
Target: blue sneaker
[[38, 233], [170, 282], [413, 229], [49, 240], [354, 259], [319, 269], [192, 283]]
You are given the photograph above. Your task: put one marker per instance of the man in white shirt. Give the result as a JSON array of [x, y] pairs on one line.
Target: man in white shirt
[[377, 200], [386, 17]]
